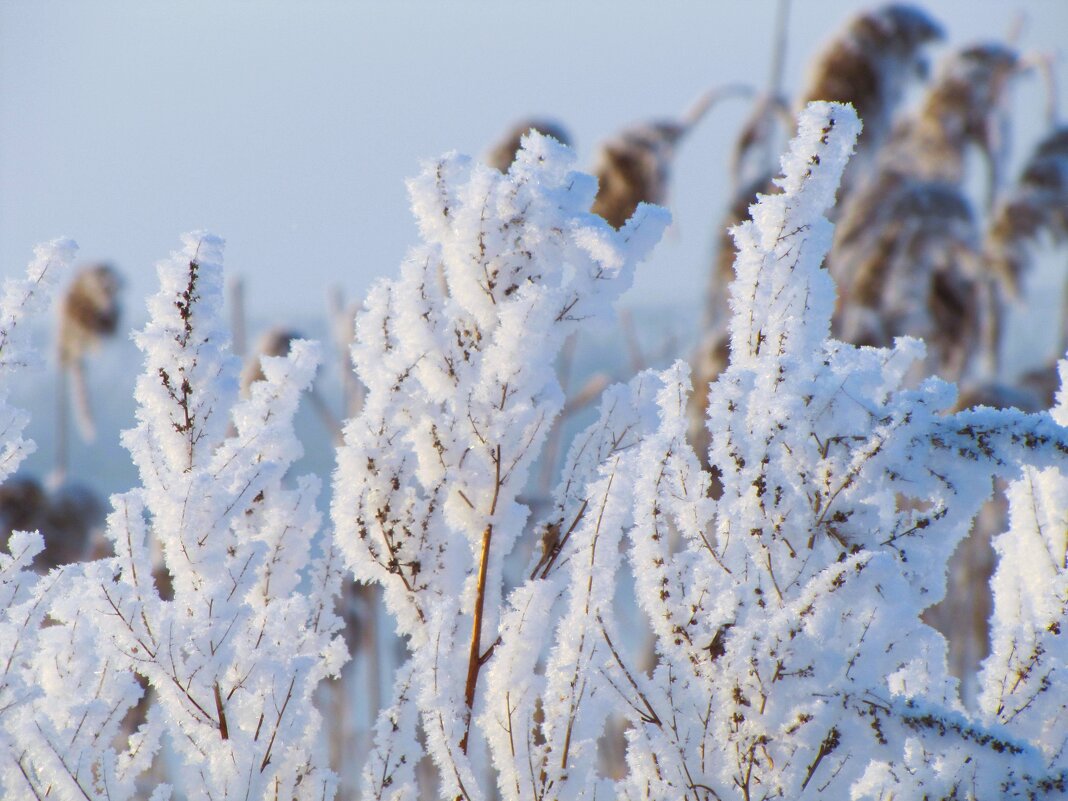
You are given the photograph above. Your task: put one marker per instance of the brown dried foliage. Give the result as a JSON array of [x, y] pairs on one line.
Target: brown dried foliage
[[861, 65], [1038, 203], [502, 154], [89, 311]]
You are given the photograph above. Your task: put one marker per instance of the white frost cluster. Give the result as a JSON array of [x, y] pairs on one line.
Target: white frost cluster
[[781, 592], [790, 657], [59, 694], [228, 630], [457, 355], [19, 299], [1024, 683], [61, 697]]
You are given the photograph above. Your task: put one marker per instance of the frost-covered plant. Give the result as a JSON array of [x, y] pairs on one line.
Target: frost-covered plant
[[844, 496], [458, 359], [791, 658], [236, 632], [21, 299], [1024, 686], [70, 740], [61, 698]]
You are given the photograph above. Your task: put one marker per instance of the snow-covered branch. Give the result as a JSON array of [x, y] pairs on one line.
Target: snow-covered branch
[[791, 660], [229, 628], [749, 631], [457, 355]]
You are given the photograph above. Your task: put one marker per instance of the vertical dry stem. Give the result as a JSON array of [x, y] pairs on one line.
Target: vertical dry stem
[[476, 658]]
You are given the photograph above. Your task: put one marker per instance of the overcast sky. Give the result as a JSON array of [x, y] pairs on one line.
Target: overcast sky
[[289, 128]]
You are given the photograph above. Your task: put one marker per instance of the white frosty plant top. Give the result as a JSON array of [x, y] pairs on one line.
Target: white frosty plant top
[[786, 654], [790, 657], [458, 357], [20, 299], [458, 354], [212, 598]]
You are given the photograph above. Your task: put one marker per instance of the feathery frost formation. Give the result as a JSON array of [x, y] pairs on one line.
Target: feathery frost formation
[[229, 640], [24, 596], [791, 660], [845, 493], [1024, 686], [62, 698], [21, 298], [236, 655], [457, 355]]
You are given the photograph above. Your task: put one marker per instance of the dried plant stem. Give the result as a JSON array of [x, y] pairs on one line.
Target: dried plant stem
[[224, 729], [1062, 343], [372, 647], [778, 53], [474, 661], [62, 426], [79, 393], [326, 416], [630, 337], [235, 291], [342, 329], [476, 658], [778, 66], [1047, 66]]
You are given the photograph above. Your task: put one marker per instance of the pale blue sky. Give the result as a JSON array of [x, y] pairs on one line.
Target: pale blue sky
[[289, 128]]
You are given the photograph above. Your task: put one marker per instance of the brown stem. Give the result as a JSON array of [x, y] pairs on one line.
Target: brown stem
[[224, 730], [474, 659], [277, 724], [62, 425]]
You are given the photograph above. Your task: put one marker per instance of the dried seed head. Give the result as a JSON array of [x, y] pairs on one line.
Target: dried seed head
[[964, 107], [870, 63], [635, 166], [502, 154], [1038, 203], [906, 257], [70, 519], [89, 311]]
